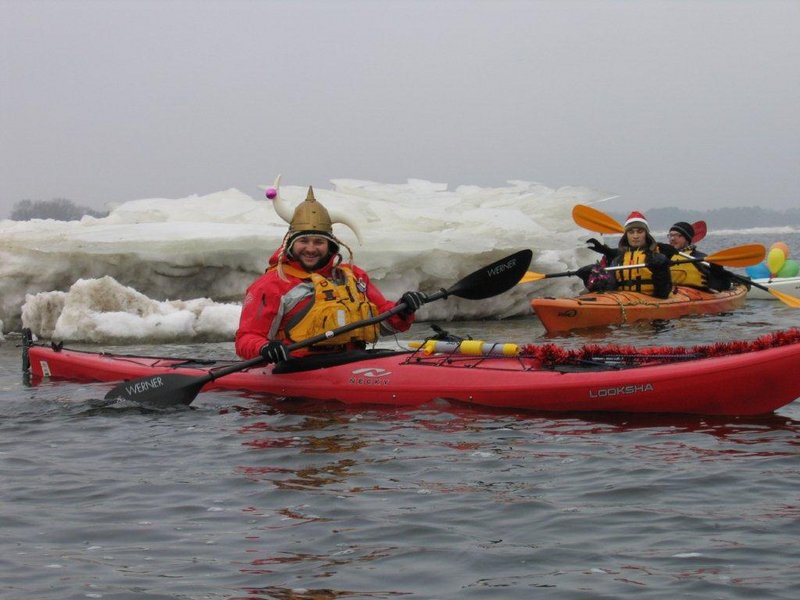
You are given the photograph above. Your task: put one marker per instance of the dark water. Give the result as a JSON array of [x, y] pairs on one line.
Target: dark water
[[240, 499]]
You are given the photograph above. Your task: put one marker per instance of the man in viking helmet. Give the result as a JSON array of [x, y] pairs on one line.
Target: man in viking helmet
[[308, 289]]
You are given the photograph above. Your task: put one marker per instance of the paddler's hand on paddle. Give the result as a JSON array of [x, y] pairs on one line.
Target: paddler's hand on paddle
[[584, 273], [274, 352], [412, 300], [657, 261]]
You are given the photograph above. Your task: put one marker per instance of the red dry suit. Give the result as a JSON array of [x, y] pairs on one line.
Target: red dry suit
[[273, 306]]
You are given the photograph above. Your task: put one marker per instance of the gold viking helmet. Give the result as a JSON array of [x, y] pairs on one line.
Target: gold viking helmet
[[297, 218], [310, 216]]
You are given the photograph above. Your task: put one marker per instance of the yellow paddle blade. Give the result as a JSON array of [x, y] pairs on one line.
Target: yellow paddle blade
[[531, 276], [787, 299], [739, 256], [595, 220]]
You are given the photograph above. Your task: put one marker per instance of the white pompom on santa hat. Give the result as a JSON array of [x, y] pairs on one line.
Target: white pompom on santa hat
[[636, 219]]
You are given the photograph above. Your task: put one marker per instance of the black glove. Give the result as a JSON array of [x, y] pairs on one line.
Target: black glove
[[656, 261], [584, 273], [595, 245], [412, 300], [274, 352], [667, 250]]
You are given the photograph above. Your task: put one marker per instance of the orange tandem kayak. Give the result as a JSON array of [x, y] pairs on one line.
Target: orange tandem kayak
[[599, 309]]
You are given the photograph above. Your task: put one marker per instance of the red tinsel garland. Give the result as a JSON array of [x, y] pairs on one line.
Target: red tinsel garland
[[551, 354]]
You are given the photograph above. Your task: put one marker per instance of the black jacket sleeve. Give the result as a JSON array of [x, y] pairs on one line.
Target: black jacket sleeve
[[662, 276], [719, 279]]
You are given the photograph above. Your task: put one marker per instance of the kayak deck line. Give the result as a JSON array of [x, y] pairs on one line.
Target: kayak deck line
[[724, 378], [555, 354], [439, 352]]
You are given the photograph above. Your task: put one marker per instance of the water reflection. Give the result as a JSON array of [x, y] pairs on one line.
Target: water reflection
[[283, 593], [454, 417], [341, 481]]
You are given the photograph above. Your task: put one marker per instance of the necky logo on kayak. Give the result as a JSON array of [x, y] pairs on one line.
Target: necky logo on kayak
[[144, 386], [500, 268], [369, 376], [622, 390]]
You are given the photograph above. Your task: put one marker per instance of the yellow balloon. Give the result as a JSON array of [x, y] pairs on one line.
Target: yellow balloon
[[783, 248], [775, 260]]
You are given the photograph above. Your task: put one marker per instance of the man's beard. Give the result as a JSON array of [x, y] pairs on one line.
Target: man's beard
[[319, 264]]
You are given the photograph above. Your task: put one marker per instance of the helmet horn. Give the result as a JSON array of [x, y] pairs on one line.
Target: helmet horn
[[287, 213]]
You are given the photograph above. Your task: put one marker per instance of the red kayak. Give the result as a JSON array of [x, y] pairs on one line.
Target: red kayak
[[737, 378]]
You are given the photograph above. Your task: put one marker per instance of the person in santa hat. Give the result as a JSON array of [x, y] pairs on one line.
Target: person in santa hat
[[636, 247]]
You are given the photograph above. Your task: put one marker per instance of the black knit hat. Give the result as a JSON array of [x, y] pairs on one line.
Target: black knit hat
[[685, 229]]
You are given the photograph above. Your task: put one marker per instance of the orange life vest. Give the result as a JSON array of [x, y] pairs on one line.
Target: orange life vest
[[688, 273], [335, 302], [635, 280]]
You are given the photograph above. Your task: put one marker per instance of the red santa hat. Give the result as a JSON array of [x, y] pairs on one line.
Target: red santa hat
[[636, 219]]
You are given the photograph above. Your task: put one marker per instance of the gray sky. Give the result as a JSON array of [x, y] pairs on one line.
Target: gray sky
[[667, 103]]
